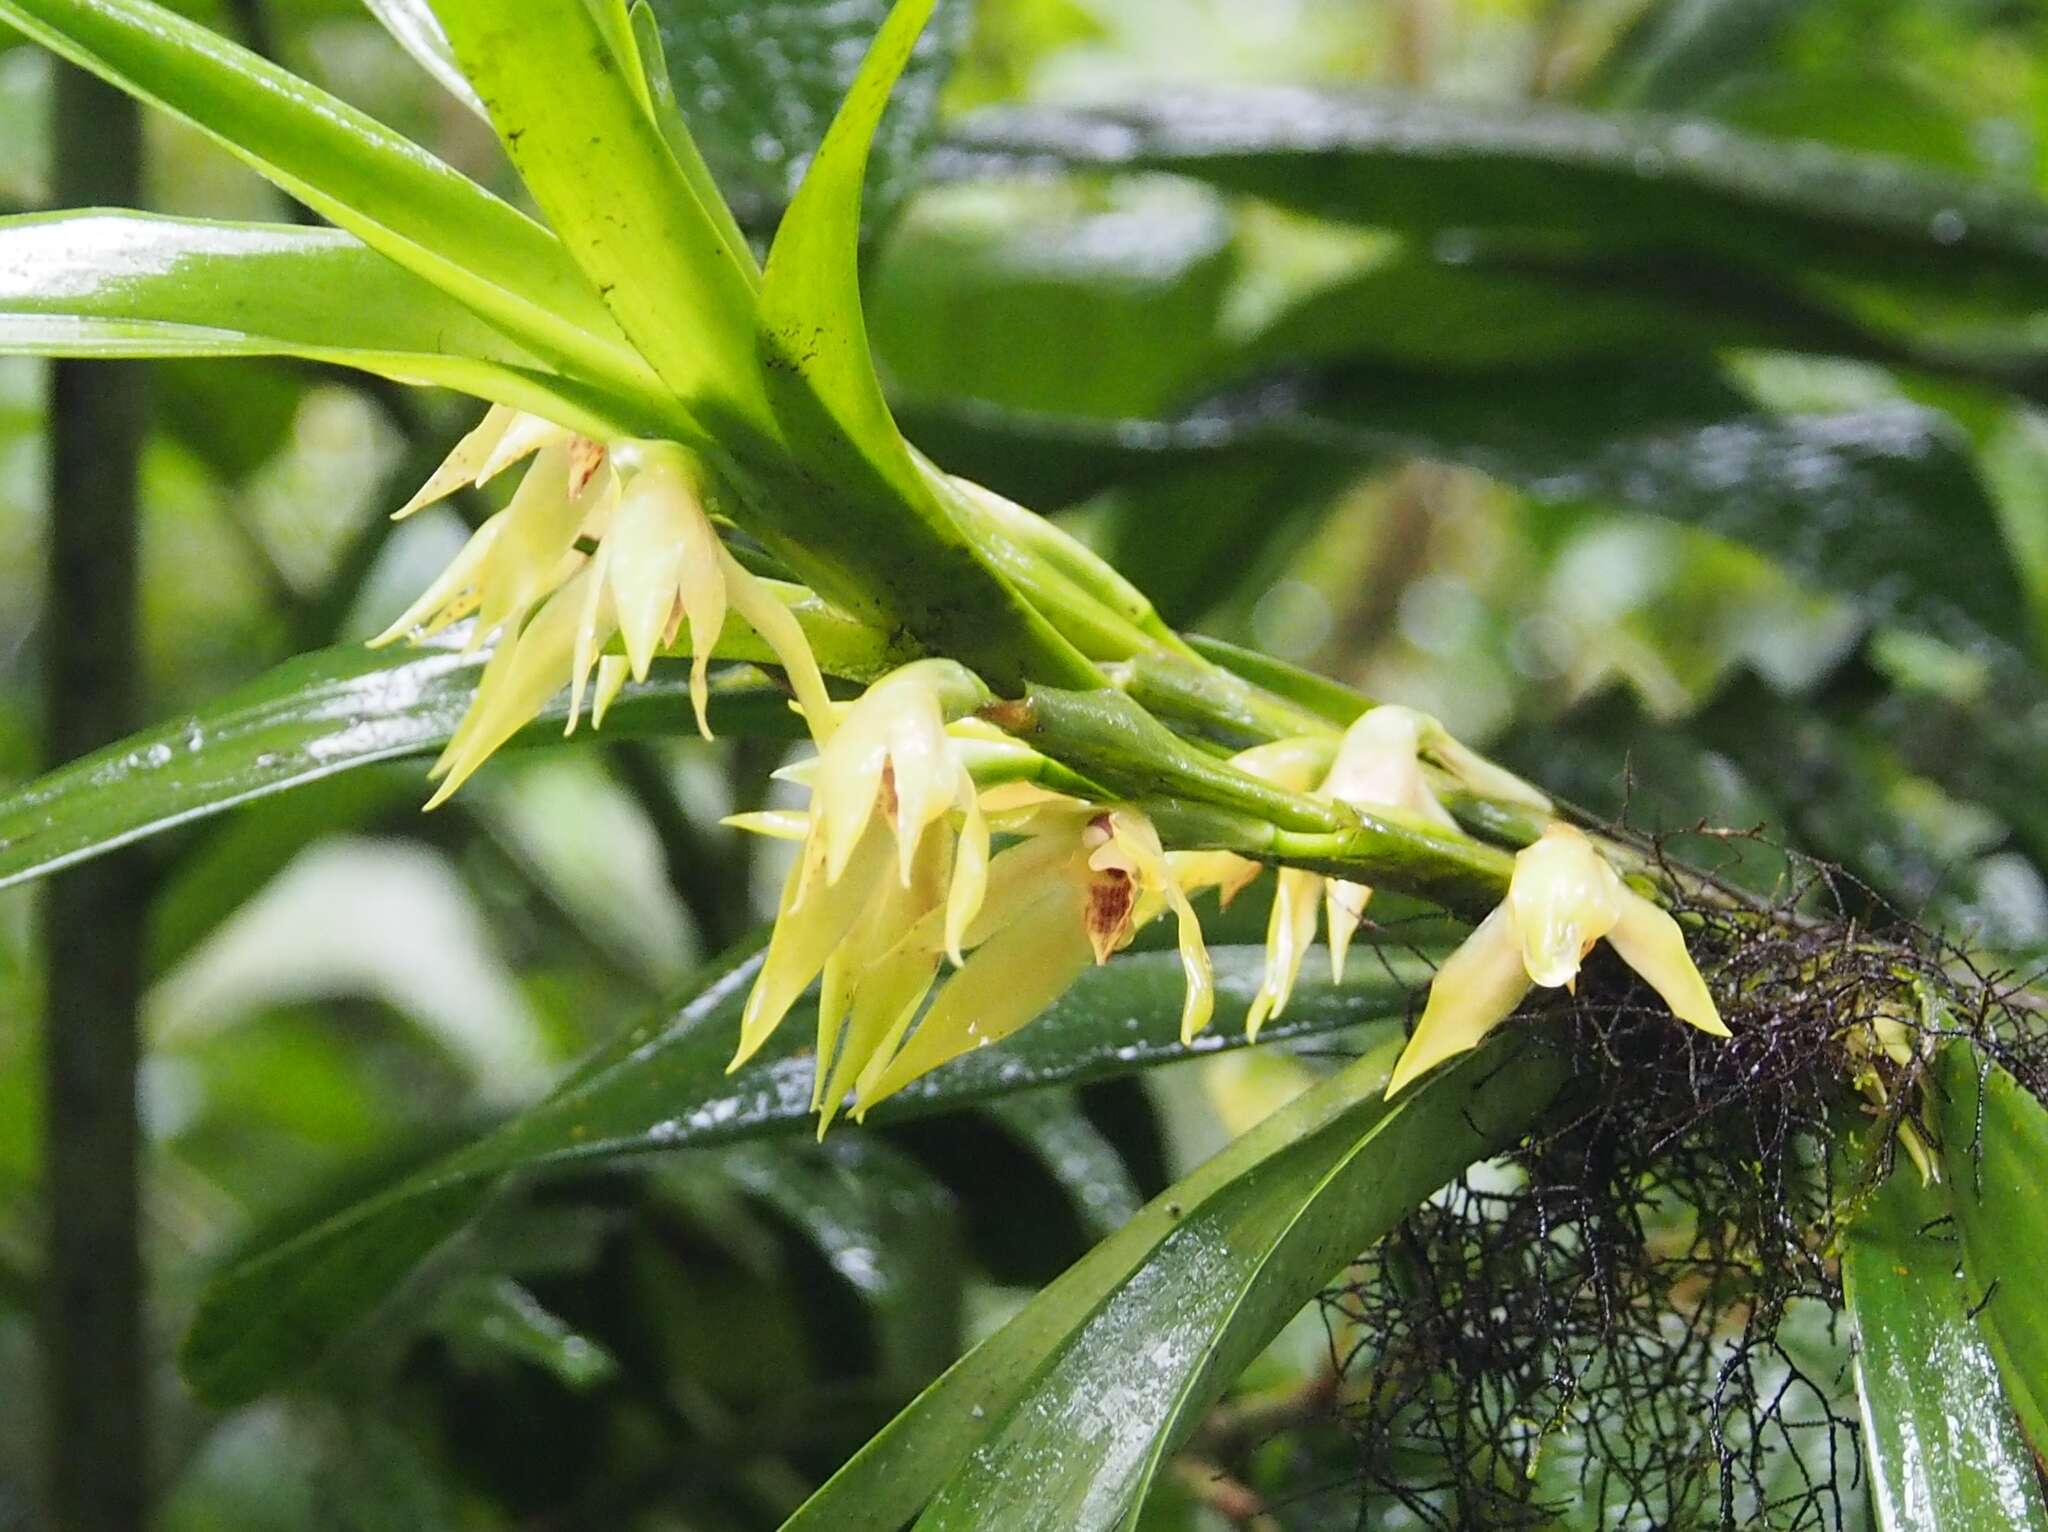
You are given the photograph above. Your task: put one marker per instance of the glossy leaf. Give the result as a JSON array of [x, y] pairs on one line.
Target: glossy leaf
[[1939, 1439], [760, 87], [884, 1225], [1063, 1417], [1994, 1142], [1882, 504], [335, 709], [854, 513], [1432, 164], [1076, 1154], [416, 29], [497, 1314], [663, 1086], [564, 102], [386, 190], [132, 285]]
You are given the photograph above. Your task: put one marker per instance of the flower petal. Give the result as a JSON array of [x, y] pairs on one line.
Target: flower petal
[[1198, 1003], [646, 549], [970, 877], [782, 633], [1343, 913], [611, 680], [452, 592], [1377, 766], [1650, 942], [1562, 898], [1477, 989], [806, 931], [1020, 971], [1289, 931], [524, 435], [517, 682], [874, 960], [462, 465]]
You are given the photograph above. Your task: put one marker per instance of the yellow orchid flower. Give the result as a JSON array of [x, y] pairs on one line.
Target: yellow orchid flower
[[1563, 898], [890, 792], [553, 603], [1377, 767], [1075, 889]]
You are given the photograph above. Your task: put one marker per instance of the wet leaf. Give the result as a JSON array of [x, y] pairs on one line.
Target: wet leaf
[[335, 709], [1430, 164], [1994, 1141], [663, 1086], [758, 84], [384, 189], [1943, 1450], [1064, 1417]]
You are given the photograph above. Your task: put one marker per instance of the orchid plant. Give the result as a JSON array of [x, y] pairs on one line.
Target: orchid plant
[[1016, 764]]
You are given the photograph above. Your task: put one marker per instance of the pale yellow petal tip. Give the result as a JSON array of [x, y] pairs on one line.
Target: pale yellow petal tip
[[1408, 1068], [1708, 1021]]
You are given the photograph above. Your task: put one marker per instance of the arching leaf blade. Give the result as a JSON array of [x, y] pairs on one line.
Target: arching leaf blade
[[336, 709], [663, 1087], [855, 510], [380, 186], [953, 1439]]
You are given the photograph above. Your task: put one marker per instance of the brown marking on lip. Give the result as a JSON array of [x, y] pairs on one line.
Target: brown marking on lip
[[586, 456]]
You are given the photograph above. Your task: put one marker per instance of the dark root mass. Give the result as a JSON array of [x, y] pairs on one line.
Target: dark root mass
[[1634, 1320]]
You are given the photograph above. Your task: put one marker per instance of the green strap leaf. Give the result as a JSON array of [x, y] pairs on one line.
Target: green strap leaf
[[337, 709], [569, 109], [1428, 164], [1882, 505], [810, 297], [663, 1087], [857, 516], [1939, 1439], [760, 93], [396, 197], [1058, 1420], [416, 29], [1994, 1141], [117, 284]]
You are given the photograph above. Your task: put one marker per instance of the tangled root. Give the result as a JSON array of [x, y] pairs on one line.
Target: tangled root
[[1636, 1317]]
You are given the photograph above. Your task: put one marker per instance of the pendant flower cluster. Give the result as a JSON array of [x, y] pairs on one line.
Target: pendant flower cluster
[[602, 544], [894, 877], [606, 551], [1377, 769]]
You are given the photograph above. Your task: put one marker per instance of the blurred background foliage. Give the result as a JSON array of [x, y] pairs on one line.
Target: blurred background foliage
[[1698, 512]]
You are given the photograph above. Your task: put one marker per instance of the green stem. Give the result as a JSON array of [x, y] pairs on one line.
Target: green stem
[[95, 1376]]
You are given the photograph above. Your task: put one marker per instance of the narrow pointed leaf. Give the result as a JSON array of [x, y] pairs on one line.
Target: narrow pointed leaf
[[336, 709], [857, 517], [1429, 163], [1061, 1418], [415, 27], [595, 160], [663, 1086], [1939, 1438], [385, 189], [759, 97], [121, 284]]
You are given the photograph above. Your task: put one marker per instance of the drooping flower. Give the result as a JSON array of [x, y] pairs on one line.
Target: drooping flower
[[1074, 890], [895, 833], [1563, 897], [1377, 768], [599, 542]]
